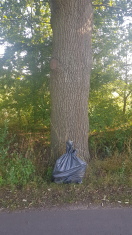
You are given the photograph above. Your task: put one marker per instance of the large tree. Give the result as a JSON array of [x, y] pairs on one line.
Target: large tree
[[24, 72], [71, 62]]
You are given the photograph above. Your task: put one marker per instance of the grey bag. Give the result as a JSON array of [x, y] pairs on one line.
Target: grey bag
[[69, 168]]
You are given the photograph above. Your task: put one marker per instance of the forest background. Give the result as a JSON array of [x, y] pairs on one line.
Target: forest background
[[26, 45]]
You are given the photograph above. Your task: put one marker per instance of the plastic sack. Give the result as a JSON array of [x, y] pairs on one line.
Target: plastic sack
[[69, 168]]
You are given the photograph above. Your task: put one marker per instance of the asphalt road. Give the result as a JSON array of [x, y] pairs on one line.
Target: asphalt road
[[116, 221]]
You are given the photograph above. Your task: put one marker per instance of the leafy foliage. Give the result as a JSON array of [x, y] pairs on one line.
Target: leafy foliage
[[25, 64], [111, 78], [106, 143], [14, 168]]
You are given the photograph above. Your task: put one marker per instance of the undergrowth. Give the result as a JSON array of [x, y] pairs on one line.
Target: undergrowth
[[26, 167], [105, 144], [15, 169]]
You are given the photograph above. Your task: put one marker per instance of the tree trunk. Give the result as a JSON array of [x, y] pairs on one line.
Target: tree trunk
[[124, 103], [70, 74]]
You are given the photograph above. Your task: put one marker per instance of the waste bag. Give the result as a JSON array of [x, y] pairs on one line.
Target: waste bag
[[69, 168]]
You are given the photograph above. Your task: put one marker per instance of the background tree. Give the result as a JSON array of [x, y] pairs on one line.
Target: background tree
[[111, 40], [24, 72]]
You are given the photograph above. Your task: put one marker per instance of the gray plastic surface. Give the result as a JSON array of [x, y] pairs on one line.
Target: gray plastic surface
[[69, 168]]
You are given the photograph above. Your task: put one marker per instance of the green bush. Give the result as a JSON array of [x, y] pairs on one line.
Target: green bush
[[104, 144], [14, 168], [4, 142], [19, 170], [105, 114]]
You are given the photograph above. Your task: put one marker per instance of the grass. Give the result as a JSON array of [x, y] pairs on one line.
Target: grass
[[107, 182]]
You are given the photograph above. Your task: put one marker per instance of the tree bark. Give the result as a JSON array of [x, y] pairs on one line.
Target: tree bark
[[124, 103], [71, 63]]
